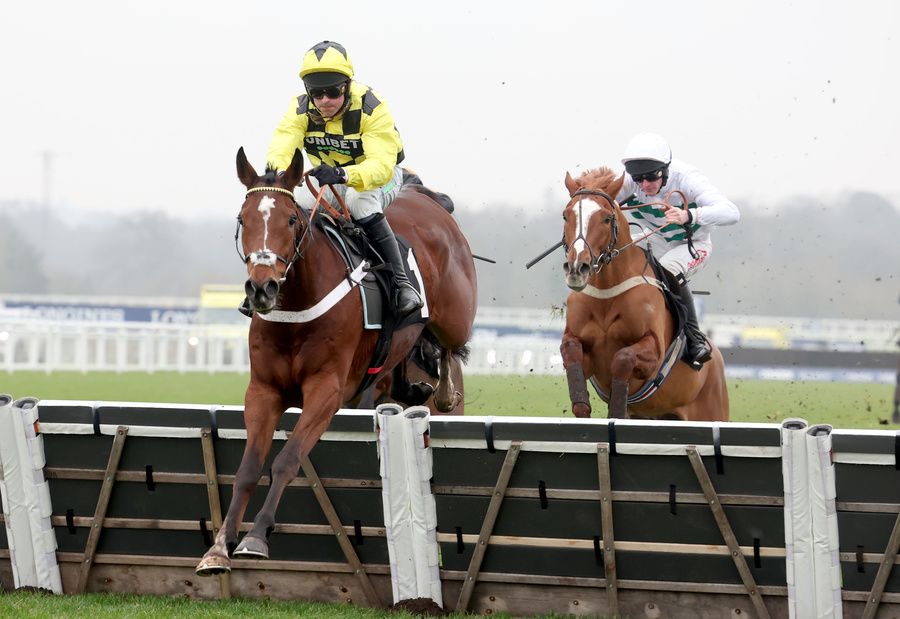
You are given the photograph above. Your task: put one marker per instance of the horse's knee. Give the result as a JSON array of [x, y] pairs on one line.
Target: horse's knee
[[247, 476], [286, 465], [571, 352], [623, 363]]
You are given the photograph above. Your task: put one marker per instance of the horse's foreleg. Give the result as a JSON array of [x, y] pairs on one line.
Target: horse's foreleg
[[261, 413], [623, 364], [446, 397], [635, 361], [319, 407], [572, 357]]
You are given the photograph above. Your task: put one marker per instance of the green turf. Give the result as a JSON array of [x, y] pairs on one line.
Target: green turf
[[843, 405], [24, 605]]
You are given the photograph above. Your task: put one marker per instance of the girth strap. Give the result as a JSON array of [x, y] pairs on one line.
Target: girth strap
[[673, 354]]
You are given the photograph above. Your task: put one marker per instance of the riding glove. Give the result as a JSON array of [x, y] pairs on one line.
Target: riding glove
[[328, 175]]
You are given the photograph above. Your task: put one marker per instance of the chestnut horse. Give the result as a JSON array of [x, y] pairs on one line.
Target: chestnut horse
[[317, 363], [618, 329]]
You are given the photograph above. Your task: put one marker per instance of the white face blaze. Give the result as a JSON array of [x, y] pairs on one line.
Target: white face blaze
[[265, 207], [263, 256], [584, 210]]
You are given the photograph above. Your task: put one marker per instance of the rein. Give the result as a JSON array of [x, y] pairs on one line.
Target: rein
[[267, 257], [609, 253], [689, 233]]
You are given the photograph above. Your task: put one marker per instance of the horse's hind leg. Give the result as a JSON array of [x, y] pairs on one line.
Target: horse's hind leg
[[411, 394], [446, 397]]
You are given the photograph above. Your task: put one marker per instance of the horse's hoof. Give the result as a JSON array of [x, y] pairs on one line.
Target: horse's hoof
[[213, 565], [446, 406], [581, 410], [252, 548]]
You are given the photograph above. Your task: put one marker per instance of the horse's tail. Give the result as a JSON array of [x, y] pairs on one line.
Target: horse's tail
[[462, 354]]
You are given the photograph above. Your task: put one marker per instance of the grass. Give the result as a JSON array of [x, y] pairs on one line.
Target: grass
[[24, 605], [843, 405]]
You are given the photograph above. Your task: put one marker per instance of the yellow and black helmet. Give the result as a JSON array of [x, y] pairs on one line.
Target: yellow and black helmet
[[326, 64]]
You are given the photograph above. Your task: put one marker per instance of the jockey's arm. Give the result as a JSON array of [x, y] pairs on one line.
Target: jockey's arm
[[381, 144], [713, 207], [287, 138]]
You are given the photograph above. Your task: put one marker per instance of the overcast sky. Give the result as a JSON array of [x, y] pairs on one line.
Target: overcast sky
[[143, 105]]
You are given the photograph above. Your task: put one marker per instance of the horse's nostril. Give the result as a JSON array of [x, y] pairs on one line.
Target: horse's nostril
[[567, 268], [271, 288], [249, 287]]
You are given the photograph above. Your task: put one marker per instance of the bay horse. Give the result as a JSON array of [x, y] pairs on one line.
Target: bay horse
[[318, 363], [618, 329]]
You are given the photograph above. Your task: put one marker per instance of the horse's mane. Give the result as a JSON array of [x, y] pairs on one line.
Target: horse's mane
[[596, 178]]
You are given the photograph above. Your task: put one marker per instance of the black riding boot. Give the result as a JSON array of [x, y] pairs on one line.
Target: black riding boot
[[405, 298], [698, 349]]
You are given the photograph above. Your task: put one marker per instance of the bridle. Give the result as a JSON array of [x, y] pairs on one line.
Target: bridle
[[266, 257], [606, 256]]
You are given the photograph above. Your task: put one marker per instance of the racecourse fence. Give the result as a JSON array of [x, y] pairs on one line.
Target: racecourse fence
[[517, 515]]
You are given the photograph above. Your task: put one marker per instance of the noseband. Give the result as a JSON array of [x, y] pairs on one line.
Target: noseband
[[266, 257], [606, 256]]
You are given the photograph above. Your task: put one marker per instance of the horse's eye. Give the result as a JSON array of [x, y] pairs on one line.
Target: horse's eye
[[240, 220], [292, 220]]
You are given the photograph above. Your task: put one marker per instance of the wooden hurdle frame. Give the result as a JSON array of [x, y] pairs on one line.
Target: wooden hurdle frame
[[473, 585]]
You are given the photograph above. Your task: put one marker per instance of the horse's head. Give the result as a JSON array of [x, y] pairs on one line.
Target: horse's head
[[273, 227], [591, 227]]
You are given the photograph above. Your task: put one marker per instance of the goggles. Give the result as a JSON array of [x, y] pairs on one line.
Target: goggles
[[647, 176], [332, 92]]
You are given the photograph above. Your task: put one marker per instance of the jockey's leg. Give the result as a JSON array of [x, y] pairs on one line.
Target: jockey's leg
[[678, 264], [698, 349], [405, 298], [367, 209]]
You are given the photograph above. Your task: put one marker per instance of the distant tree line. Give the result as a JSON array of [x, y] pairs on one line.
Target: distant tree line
[[800, 257]]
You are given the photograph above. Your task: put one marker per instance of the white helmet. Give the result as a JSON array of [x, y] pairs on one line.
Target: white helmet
[[646, 152]]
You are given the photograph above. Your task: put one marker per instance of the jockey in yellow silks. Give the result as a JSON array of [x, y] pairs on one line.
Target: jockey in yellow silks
[[350, 137]]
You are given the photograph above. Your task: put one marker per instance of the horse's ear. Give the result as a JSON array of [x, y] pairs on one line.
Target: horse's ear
[[294, 174], [245, 171], [571, 185], [616, 187]]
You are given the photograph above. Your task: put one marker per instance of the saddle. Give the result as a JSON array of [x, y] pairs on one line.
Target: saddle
[[673, 304], [375, 288]]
